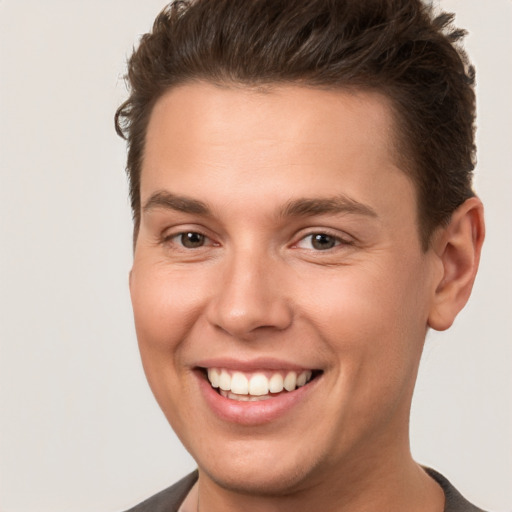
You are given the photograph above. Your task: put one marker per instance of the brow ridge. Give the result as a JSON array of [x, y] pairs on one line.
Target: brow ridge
[[168, 200], [304, 207], [301, 207]]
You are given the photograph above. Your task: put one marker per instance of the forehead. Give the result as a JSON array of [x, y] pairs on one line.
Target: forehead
[[201, 112], [287, 138]]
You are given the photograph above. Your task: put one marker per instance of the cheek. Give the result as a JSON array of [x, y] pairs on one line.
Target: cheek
[[165, 304], [372, 318]]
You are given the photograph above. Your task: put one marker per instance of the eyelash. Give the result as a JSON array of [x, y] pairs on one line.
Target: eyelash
[[170, 239], [178, 239], [336, 239]]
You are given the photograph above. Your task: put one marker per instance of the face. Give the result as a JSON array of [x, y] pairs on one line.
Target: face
[[280, 292]]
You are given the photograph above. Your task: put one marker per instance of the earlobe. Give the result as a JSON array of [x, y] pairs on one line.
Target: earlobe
[[458, 246]]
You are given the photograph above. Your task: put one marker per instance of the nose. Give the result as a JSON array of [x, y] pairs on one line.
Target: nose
[[250, 297]]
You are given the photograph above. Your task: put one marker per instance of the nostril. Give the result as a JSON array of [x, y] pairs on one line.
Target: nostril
[[245, 325]]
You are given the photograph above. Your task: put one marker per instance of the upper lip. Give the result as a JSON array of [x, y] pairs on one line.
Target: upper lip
[[253, 365]]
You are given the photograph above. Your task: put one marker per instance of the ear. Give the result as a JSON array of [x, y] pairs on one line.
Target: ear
[[458, 246]]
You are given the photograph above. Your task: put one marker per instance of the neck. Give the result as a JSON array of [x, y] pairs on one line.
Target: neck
[[398, 485]]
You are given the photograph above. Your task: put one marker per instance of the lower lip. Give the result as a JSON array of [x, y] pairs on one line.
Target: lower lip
[[257, 412]]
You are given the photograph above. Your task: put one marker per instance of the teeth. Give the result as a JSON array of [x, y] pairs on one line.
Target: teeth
[[258, 385], [213, 377], [225, 380], [290, 381], [244, 398], [303, 378], [240, 386], [276, 383]]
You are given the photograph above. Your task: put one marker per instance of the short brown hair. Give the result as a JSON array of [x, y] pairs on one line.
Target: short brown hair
[[397, 47]]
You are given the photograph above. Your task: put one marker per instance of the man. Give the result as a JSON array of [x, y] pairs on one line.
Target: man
[[300, 178]]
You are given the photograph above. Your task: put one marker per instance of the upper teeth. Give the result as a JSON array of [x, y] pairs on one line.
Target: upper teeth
[[257, 384]]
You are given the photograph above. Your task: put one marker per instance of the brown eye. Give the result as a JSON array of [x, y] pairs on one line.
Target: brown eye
[[322, 241], [192, 240]]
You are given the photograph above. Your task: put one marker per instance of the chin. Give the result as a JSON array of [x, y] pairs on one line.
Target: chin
[[264, 482], [262, 471]]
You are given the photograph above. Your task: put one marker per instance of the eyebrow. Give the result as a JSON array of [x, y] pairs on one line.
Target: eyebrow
[[170, 201], [305, 207], [302, 207]]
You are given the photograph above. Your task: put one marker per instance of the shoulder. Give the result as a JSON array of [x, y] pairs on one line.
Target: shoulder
[[170, 499], [455, 502]]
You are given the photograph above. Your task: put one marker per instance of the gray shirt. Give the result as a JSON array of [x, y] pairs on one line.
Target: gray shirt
[[170, 499]]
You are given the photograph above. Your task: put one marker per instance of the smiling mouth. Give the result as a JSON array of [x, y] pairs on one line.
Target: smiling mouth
[[257, 386]]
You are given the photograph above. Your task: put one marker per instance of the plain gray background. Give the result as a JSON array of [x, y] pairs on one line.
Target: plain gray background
[[79, 429]]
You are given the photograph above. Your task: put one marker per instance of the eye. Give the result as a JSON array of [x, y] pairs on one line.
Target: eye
[[319, 242], [189, 239]]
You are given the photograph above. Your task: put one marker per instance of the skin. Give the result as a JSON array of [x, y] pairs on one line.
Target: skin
[[257, 287]]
